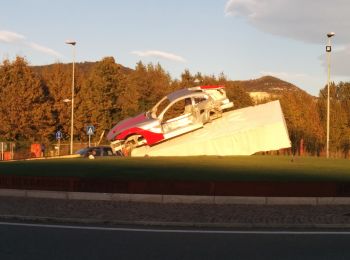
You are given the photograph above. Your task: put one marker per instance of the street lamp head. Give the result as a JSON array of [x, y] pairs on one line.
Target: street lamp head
[[66, 100], [71, 42], [331, 34]]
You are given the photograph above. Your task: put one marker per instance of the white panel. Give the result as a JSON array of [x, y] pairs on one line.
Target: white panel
[[240, 132]]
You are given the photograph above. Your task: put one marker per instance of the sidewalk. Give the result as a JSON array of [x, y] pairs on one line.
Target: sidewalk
[[209, 215]]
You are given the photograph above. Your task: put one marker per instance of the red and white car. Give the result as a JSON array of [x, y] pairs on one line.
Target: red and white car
[[180, 112]]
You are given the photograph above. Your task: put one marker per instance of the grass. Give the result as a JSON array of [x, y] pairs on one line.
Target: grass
[[203, 168]]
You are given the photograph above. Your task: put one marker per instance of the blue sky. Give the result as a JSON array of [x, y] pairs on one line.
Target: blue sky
[[244, 39]]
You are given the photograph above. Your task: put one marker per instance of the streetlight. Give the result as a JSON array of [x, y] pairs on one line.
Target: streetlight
[[328, 50], [73, 43]]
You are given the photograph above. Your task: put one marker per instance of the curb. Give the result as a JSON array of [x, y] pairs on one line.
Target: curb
[[81, 221], [43, 158], [184, 199]]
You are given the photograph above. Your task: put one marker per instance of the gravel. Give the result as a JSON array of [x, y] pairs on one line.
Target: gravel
[[174, 214]]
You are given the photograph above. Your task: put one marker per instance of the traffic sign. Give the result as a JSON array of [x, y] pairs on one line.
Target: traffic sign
[[90, 130], [58, 135]]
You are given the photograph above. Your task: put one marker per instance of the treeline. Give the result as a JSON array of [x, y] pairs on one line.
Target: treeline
[[32, 107], [306, 119]]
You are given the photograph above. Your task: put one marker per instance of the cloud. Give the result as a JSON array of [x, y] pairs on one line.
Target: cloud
[[159, 54], [240, 7], [10, 37], [307, 21], [340, 61], [44, 49], [15, 38]]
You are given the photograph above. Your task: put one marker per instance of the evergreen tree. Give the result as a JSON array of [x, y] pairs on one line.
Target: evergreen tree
[[98, 97], [128, 100], [151, 82], [188, 80], [24, 109], [339, 127], [58, 80], [303, 121]]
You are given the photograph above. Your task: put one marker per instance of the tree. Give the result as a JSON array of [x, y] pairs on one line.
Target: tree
[[128, 99], [237, 94], [24, 109], [58, 80], [98, 96], [188, 80], [303, 121], [339, 115], [151, 82], [344, 97]]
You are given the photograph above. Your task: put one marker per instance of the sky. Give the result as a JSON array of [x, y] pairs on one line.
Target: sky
[[244, 39]]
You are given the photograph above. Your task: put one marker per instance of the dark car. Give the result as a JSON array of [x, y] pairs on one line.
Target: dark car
[[96, 151]]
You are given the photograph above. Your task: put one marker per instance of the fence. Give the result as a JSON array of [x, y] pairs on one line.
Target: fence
[[11, 151], [59, 149]]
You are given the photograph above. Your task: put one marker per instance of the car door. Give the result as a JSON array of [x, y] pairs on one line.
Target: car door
[[107, 151], [203, 105], [96, 151], [179, 118]]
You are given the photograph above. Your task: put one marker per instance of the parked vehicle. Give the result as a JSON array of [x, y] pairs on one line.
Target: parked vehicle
[[180, 112], [96, 151]]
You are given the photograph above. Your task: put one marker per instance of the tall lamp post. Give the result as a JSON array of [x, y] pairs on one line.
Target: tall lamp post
[[73, 43], [328, 50]]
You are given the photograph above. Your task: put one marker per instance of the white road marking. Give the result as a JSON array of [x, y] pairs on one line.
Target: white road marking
[[190, 231]]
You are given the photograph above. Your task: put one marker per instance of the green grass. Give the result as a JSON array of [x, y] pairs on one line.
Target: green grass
[[206, 168]]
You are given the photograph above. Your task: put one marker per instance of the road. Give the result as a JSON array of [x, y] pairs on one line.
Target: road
[[37, 241]]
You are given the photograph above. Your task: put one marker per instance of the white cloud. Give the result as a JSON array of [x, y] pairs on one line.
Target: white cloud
[[307, 21], [10, 37], [159, 54], [240, 7], [15, 38], [44, 49]]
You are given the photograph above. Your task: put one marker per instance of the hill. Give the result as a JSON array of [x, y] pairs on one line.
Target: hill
[[84, 67], [267, 84], [268, 87], [259, 90]]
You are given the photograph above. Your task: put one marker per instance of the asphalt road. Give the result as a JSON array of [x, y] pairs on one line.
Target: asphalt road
[[28, 241]]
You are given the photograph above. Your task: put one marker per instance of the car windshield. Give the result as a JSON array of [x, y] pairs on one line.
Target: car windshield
[[159, 107], [82, 151], [177, 109]]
